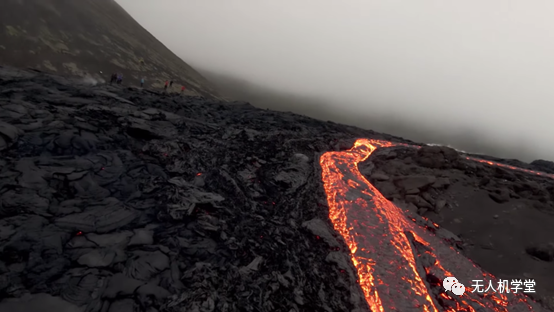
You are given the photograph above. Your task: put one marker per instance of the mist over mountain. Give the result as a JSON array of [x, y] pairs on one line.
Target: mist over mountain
[[471, 74], [401, 125]]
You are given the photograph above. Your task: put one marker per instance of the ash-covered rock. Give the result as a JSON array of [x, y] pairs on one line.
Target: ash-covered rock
[[116, 199]]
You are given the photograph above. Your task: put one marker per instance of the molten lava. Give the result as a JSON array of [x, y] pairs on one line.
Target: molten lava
[[400, 265]]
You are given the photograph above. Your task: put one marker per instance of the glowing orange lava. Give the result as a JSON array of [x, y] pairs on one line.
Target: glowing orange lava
[[400, 264], [492, 163]]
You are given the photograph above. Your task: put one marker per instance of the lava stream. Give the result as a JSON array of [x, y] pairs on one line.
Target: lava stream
[[400, 265]]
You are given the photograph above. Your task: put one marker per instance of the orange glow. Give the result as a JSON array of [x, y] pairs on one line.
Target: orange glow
[[378, 236], [491, 163]]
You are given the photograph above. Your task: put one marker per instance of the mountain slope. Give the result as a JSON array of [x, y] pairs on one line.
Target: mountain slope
[[87, 37]]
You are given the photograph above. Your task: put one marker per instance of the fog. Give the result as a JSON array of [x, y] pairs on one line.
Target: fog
[[478, 75]]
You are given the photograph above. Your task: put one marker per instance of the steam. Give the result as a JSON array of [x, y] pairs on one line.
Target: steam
[[89, 80], [448, 145]]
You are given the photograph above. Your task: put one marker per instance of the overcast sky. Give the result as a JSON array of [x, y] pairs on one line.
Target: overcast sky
[[485, 65]]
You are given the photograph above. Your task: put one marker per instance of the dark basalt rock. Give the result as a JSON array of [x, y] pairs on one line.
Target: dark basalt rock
[[115, 199], [437, 157], [502, 215], [118, 199], [543, 165], [544, 252]]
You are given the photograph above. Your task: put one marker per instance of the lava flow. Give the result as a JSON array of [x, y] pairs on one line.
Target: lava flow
[[400, 265]]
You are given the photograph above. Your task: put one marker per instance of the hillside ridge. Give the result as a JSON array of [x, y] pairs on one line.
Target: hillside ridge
[[90, 38]]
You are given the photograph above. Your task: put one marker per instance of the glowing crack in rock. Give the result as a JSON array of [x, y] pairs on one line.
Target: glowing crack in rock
[[400, 265]]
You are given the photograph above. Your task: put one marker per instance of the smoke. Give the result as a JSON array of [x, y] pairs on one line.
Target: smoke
[[471, 74], [89, 80]]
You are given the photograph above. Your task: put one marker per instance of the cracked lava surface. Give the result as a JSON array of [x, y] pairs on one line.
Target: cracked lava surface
[[400, 264]]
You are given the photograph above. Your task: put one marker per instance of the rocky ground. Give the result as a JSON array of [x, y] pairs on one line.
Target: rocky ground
[[503, 216], [120, 199]]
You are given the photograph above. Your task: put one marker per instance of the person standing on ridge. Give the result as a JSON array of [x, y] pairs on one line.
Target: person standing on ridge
[[171, 83], [165, 86], [113, 78], [182, 89], [141, 82]]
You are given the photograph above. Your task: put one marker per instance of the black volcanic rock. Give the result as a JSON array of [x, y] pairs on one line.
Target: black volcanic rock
[[437, 157], [503, 216], [114, 199], [543, 165], [117, 199], [544, 252], [500, 195]]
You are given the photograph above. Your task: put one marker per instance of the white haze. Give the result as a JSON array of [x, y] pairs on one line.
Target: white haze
[[89, 80], [473, 66]]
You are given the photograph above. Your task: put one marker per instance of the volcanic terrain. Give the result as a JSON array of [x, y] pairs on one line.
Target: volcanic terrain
[[118, 199], [90, 38]]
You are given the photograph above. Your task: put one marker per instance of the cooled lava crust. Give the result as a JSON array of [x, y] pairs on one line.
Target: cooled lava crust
[[117, 199]]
